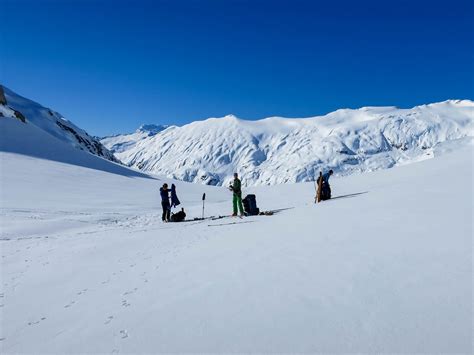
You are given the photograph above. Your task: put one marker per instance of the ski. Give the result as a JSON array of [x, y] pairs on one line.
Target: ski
[[228, 224], [320, 186], [216, 218]]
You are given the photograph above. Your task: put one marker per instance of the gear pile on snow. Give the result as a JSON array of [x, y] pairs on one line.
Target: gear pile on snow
[[250, 205]]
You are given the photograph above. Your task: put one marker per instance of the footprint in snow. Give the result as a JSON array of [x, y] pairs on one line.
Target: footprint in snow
[[125, 303], [130, 292], [109, 319], [124, 334], [69, 304], [36, 322], [82, 292]]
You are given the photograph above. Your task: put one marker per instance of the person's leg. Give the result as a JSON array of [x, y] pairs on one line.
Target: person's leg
[[163, 215], [241, 208], [168, 212], [234, 205]]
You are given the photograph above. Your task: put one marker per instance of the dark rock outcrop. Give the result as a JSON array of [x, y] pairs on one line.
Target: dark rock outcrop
[[19, 115], [3, 99]]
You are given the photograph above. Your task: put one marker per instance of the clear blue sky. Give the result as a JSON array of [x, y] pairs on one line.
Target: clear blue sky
[[109, 66]]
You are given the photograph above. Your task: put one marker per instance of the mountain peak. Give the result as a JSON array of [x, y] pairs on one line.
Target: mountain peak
[[151, 129], [231, 117]]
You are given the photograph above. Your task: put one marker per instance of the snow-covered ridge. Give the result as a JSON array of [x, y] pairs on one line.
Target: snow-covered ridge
[[152, 129], [279, 150], [122, 142], [47, 121]]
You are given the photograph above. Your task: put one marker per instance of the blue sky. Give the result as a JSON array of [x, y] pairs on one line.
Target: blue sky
[[109, 66]]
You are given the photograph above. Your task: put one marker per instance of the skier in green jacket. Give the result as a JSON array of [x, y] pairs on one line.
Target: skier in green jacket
[[237, 196]]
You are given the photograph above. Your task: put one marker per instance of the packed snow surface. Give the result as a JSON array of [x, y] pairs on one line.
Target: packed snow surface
[[384, 267], [280, 150]]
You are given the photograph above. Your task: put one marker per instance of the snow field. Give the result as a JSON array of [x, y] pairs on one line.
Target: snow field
[[88, 266]]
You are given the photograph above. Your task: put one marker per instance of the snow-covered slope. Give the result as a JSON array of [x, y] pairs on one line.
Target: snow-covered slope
[[25, 124], [123, 142], [87, 266], [278, 150]]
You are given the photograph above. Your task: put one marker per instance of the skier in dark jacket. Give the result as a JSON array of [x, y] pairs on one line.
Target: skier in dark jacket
[[165, 203], [326, 176], [174, 198], [326, 188], [237, 196]]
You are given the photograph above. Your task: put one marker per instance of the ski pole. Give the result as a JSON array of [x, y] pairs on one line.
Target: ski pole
[[314, 181], [203, 199]]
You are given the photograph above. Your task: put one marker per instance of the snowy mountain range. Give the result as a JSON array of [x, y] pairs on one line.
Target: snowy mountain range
[[31, 113], [30, 129], [280, 150], [265, 152], [122, 142]]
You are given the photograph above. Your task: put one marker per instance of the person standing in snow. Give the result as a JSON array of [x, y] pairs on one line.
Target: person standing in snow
[[174, 197], [237, 196], [165, 203], [326, 176], [326, 188]]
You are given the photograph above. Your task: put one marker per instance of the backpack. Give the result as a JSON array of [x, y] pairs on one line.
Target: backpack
[[178, 216], [325, 192], [250, 205]]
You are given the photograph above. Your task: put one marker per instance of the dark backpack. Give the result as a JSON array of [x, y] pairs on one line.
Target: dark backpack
[[178, 216], [325, 192], [250, 205]]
